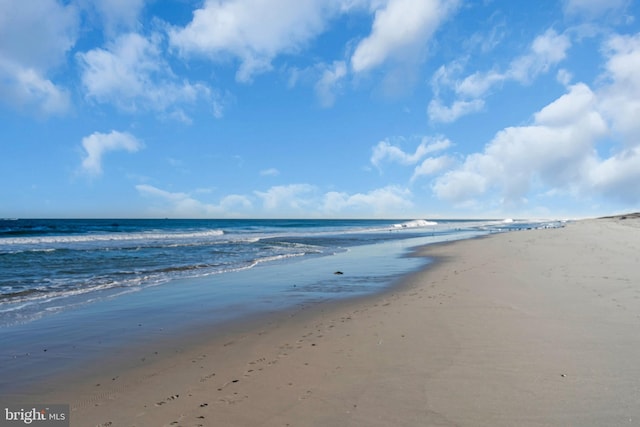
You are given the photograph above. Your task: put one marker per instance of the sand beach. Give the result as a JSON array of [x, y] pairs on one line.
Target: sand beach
[[527, 328]]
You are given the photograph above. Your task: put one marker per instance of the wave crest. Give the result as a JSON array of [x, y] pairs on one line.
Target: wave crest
[[108, 237], [416, 223]]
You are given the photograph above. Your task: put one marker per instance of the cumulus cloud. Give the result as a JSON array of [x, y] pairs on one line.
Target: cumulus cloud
[[34, 40], [621, 96], [98, 144], [252, 31], [418, 21], [293, 198], [555, 150], [132, 74], [37, 34], [383, 201], [617, 177], [255, 32], [431, 166], [584, 144], [180, 204], [308, 200], [283, 200]]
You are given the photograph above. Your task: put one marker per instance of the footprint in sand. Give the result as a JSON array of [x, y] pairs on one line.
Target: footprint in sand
[[232, 399], [207, 377], [228, 383], [306, 395], [197, 359], [168, 399]]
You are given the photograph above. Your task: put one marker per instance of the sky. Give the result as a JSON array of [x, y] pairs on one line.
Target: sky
[[319, 108]]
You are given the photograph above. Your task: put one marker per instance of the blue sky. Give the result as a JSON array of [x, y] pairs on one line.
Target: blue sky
[[319, 108]]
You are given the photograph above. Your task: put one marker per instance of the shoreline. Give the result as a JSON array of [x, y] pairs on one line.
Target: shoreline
[[535, 327], [140, 325]]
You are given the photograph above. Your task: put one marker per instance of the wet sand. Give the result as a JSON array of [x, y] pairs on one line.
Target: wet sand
[[528, 328]]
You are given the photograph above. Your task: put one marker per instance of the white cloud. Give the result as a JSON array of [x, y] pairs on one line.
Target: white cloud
[[384, 150], [116, 15], [555, 151], [593, 8], [132, 74], [150, 190], [389, 200], [583, 145], [479, 83], [327, 80], [566, 110], [98, 144], [618, 176], [34, 39], [270, 172], [463, 185], [234, 202], [179, 204], [564, 77], [253, 31], [418, 20], [486, 42], [282, 201], [37, 34], [546, 50], [293, 198], [440, 113], [621, 97], [26, 88], [330, 83], [431, 166]]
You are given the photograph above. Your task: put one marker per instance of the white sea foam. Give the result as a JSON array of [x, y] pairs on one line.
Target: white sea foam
[[278, 257], [416, 223], [19, 302], [107, 237]]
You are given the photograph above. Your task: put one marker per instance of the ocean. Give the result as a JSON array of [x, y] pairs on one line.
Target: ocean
[[100, 283]]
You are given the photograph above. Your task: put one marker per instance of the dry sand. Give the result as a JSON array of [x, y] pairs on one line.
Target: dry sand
[[530, 328]]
